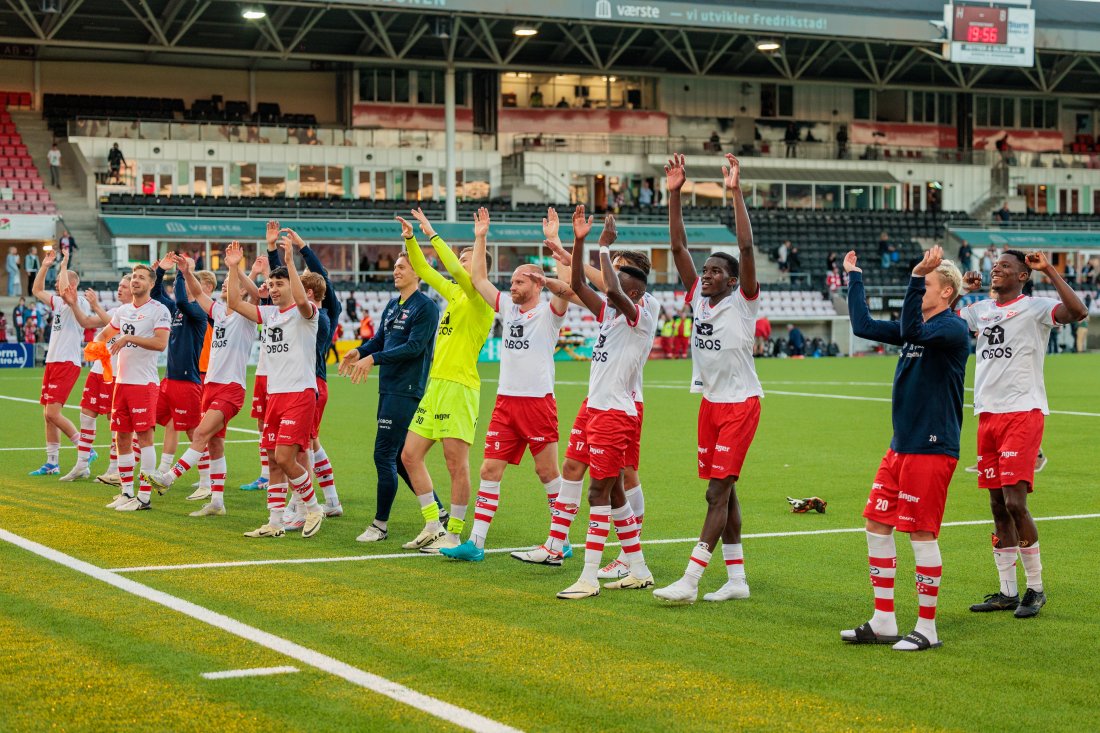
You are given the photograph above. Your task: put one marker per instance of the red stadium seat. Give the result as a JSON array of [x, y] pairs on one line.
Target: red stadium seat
[[20, 172]]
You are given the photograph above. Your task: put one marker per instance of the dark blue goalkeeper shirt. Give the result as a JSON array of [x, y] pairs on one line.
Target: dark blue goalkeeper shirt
[[403, 345]]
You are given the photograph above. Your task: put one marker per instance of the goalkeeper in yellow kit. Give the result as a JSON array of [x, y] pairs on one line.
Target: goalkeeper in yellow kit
[[449, 409]]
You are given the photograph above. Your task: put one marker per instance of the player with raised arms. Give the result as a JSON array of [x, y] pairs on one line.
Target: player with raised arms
[[1010, 400], [628, 324], [910, 488], [449, 409], [290, 338], [224, 391], [725, 301], [525, 416], [141, 327]]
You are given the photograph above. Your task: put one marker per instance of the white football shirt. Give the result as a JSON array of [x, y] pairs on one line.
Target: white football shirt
[[230, 345], [527, 349], [135, 364], [97, 365], [1012, 344], [67, 336], [722, 367], [290, 342], [618, 356]]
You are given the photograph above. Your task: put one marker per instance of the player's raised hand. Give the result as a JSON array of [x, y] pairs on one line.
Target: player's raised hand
[[297, 241], [536, 276], [233, 254], [262, 266], [972, 281], [406, 228], [581, 225], [558, 252], [273, 230], [348, 362], [550, 223], [675, 174], [609, 233], [1037, 260], [90, 296], [732, 173], [850, 260], [185, 263], [933, 256], [425, 225], [49, 258], [288, 248], [481, 222], [64, 255]]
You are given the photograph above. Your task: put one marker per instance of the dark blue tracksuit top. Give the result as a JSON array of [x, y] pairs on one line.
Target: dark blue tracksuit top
[[403, 345], [928, 381], [329, 315], [188, 331]]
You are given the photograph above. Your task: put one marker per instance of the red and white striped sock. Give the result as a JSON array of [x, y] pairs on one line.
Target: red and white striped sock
[[553, 488], [136, 450], [276, 504], [562, 515], [1033, 567], [326, 479], [148, 463], [734, 555], [113, 467], [217, 481], [882, 557], [303, 489], [265, 473], [636, 499], [629, 534], [189, 458], [485, 508], [1005, 558], [87, 438], [697, 563], [126, 473], [599, 525], [929, 570], [204, 469]]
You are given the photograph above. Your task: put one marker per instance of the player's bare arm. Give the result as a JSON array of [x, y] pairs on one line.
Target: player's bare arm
[[233, 255], [272, 234], [157, 342], [615, 294], [676, 177], [297, 290], [732, 175], [194, 287], [102, 317], [480, 273], [38, 288], [590, 299], [1072, 309]]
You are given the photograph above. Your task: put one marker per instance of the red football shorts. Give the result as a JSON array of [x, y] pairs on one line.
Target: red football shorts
[[1008, 444], [578, 436], [519, 423], [134, 408], [58, 381], [319, 410], [610, 434], [97, 394], [634, 454], [228, 399], [259, 396], [289, 420], [910, 491], [726, 430], [179, 402]]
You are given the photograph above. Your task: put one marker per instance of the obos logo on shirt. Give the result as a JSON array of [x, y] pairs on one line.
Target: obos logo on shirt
[[995, 338], [703, 330]]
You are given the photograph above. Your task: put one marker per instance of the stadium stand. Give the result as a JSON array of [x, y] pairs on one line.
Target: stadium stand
[[21, 188]]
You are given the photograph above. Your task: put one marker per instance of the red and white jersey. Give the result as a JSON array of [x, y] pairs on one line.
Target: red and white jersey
[[135, 364], [230, 345], [67, 336], [1012, 343], [290, 343], [97, 365], [722, 368], [527, 349], [618, 356]]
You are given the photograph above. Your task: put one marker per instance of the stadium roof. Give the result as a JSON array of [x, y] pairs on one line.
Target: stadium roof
[[858, 42]]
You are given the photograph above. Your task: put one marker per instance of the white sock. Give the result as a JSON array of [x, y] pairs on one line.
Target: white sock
[[734, 555], [167, 460], [700, 558], [52, 452], [1005, 558], [1033, 567]]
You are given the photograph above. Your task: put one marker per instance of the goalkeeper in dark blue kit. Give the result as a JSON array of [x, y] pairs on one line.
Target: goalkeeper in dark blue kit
[[402, 348]]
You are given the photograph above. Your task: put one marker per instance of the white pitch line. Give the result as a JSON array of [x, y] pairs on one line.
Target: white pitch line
[[498, 550], [77, 407], [254, 672], [393, 690]]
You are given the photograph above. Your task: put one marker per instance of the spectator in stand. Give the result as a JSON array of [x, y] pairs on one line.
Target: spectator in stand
[[988, 259], [562, 103], [645, 196], [781, 255], [200, 260], [1070, 275], [831, 261], [535, 100], [886, 251], [31, 263], [668, 335], [67, 242], [364, 266], [796, 342], [966, 257], [1003, 214], [30, 333], [834, 280], [1083, 327], [683, 334], [1088, 273], [350, 307], [384, 265], [115, 161], [366, 328], [3, 328], [790, 137], [54, 159], [842, 143], [794, 261], [714, 144], [19, 316], [15, 281], [761, 335]]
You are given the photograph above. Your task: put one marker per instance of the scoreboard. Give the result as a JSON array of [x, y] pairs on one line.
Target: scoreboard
[[993, 34]]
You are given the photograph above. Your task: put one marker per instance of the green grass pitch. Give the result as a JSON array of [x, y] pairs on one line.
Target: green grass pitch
[[81, 655]]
